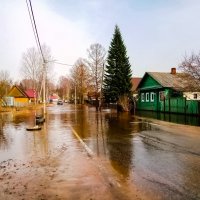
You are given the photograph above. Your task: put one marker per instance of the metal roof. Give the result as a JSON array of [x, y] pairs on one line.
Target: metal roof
[[135, 82], [176, 81]]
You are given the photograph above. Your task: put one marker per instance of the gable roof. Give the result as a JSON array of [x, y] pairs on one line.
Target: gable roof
[[16, 91], [30, 93], [175, 81], [135, 82]]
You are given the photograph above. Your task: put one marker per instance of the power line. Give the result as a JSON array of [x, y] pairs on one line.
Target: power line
[[36, 35], [34, 27], [62, 63], [29, 12]]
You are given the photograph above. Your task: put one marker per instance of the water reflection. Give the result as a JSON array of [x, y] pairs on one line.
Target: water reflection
[[175, 118], [39, 143], [101, 126], [82, 121], [90, 125], [119, 145], [165, 163], [3, 139]]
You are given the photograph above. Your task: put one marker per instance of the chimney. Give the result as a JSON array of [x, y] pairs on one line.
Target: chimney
[[173, 70]]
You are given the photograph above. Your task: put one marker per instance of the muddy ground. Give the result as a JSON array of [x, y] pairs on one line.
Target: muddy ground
[[46, 178]]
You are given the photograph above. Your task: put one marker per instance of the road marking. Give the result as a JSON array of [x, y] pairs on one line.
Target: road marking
[[104, 173], [89, 151]]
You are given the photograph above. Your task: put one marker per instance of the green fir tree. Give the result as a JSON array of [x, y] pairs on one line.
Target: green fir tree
[[117, 77]]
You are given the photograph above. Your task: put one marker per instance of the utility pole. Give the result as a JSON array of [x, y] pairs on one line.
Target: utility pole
[[101, 96], [75, 95], [44, 86]]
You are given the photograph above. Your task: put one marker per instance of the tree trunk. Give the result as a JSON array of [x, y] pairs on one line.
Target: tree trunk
[[123, 102], [97, 104]]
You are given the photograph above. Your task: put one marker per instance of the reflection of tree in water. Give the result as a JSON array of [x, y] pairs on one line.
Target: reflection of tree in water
[[3, 139], [119, 142], [81, 119]]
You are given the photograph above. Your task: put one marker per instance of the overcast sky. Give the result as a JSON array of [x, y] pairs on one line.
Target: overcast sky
[[157, 33]]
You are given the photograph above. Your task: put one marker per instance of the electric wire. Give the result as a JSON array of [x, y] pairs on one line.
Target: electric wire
[[35, 29], [36, 35], [62, 63], [29, 12]]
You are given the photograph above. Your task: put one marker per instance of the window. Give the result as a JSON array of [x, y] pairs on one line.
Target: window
[[142, 97], [195, 95], [152, 96], [147, 97]]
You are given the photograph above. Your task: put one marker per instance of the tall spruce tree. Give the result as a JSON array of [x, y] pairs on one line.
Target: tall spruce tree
[[117, 77]]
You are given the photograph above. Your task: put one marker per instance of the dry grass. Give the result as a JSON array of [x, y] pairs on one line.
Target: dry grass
[[20, 109]]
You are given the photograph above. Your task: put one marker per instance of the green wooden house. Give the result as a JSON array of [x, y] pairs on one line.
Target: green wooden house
[[166, 92]]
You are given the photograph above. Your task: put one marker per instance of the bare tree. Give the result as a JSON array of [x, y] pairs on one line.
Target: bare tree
[[79, 75], [63, 87], [26, 84], [5, 83], [191, 67], [33, 67], [49, 60], [95, 61]]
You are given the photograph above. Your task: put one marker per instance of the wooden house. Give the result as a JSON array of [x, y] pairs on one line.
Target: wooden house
[[17, 97], [166, 92]]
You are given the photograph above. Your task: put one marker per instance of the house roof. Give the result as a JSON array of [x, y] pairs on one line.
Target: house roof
[[16, 91], [30, 93], [54, 96], [175, 81], [135, 82]]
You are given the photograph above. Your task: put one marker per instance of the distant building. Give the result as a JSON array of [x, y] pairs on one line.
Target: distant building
[[135, 82], [53, 98]]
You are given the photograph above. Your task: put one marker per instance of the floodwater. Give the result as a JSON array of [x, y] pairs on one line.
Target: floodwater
[[160, 163], [172, 117]]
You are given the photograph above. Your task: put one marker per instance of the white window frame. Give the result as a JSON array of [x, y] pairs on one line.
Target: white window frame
[[152, 96], [142, 97], [147, 97]]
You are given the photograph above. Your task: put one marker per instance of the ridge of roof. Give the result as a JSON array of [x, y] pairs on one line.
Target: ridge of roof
[[166, 79], [20, 89]]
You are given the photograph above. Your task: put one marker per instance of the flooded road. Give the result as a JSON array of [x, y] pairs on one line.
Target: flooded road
[[83, 154]]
